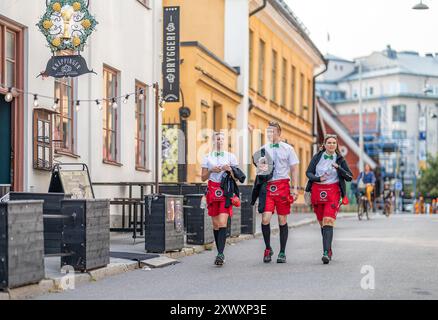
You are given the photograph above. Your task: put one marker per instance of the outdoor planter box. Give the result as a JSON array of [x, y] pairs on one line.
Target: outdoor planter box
[[199, 225], [164, 223], [235, 223], [248, 212], [21, 243], [86, 234], [52, 227]]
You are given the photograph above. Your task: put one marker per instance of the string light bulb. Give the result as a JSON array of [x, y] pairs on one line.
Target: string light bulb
[[125, 100], [9, 96], [141, 96], [98, 104], [114, 103], [55, 105], [78, 105], [35, 101]]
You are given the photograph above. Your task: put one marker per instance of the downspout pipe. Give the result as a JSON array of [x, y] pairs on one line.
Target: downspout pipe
[[259, 8], [314, 128]]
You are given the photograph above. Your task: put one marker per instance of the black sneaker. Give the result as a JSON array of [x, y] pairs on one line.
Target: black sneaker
[[220, 260], [267, 255], [325, 257], [281, 258]]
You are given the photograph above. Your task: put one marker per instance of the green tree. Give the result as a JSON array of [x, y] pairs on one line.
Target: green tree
[[428, 183]]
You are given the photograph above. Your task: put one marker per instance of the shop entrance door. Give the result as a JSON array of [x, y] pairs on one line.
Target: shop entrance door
[[5, 141]]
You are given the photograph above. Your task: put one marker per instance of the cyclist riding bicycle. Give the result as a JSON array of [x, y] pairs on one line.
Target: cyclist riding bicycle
[[366, 182]]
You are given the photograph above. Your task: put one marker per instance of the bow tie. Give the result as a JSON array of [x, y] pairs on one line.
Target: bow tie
[[326, 156], [219, 154], [275, 145]]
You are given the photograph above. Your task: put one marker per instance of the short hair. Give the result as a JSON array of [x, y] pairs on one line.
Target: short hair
[[275, 124]]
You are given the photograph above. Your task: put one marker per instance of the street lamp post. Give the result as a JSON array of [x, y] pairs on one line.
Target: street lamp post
[[361, 164]]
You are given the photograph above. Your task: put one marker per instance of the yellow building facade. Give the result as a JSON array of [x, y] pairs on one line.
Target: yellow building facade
[[208, 85], [283, 61]]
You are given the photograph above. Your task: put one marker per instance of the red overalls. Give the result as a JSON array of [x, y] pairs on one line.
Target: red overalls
[[278, 196], [326, 200]]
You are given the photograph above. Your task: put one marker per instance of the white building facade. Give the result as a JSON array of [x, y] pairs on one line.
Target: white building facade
[[117, 144]]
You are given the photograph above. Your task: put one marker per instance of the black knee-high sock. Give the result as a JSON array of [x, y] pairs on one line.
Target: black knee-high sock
[[221, 239], [327, 237], [266, 230], [284, 232], [215, 232]]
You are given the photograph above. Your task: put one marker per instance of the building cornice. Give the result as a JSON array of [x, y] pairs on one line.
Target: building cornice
[[209, 53]]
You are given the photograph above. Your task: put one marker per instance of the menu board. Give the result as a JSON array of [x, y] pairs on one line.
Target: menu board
[[76, 183]]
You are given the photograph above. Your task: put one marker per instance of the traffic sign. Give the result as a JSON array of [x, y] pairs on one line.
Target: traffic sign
[[398, 186]]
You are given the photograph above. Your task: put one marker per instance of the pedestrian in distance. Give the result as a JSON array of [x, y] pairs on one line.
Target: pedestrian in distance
[[327, 172], [275, 161]]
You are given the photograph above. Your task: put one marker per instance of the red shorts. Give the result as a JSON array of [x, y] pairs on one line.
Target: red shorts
[[216, 200], [325, 200], [278, 197]]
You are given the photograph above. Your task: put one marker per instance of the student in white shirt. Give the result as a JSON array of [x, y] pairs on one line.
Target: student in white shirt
[[327, 173], [278, 190], [214, 166]]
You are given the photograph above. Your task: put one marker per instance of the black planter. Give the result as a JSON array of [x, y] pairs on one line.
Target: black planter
[[52, 227], [21, 243], [164, 223], [199, 225], [248, 212], [86, 234]]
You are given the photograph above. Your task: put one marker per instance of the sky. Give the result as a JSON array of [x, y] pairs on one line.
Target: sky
[[358, 27]]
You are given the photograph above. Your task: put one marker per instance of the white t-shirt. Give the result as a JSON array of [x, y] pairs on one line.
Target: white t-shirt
[[211, 160], [284, 157], [325, 166]]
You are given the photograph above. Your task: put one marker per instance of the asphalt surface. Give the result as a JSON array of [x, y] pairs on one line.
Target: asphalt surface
[[398, 256]]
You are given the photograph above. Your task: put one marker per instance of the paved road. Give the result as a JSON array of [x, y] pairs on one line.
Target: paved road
[[402, 250]]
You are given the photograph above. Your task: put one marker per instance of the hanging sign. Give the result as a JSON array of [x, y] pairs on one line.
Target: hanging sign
[[66, 66], [66, 25], [171, 61]]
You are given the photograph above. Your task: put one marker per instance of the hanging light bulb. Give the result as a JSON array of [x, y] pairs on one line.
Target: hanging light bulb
[[35, 101], [98, 104], [15, 92], [141, 96], [114, 103], [9, 96], [55, 105], [78, 106], [125, 100]]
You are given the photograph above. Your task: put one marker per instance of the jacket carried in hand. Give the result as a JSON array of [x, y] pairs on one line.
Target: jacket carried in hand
[[229, 185], [261, 180], [344, 172]]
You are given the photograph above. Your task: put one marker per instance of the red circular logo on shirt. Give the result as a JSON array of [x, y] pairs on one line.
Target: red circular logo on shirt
[[218, 193], [323, 194], [273, 188]]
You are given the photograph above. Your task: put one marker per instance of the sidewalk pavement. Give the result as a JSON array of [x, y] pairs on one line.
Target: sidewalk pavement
[[56, 281]]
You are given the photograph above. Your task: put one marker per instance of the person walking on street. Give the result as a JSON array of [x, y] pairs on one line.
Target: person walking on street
[[216, 166], [276, 160], [327, 172]]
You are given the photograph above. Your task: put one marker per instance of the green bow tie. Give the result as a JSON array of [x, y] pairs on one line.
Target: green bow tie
[[218, 154], [326, 156], [275, 145]]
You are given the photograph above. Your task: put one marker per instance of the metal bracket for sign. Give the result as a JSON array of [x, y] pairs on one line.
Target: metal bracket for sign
[[55, 181]]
